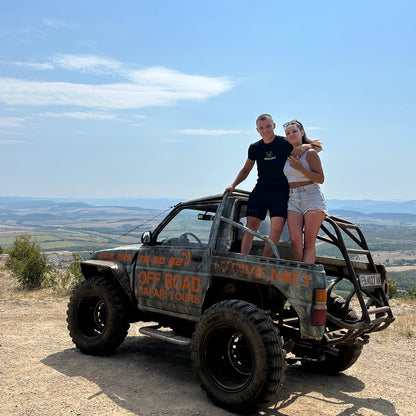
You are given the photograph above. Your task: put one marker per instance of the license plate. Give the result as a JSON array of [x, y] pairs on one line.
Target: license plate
[[369, 280]]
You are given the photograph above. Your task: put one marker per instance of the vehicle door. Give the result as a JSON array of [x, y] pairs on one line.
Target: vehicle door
[[172, 273]]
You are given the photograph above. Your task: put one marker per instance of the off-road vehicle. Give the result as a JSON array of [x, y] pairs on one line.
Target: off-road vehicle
[[244, 317]]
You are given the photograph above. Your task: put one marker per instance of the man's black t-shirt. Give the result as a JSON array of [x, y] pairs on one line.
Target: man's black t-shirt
[[270, 159]]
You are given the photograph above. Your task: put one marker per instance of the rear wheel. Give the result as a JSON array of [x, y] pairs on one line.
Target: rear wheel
[[348, 354], [97, 316], [238, 356]]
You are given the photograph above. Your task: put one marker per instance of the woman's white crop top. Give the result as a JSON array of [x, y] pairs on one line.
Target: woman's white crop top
[[294, 175]]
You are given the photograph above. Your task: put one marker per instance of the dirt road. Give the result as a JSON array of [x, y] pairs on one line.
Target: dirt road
[[43, 374]]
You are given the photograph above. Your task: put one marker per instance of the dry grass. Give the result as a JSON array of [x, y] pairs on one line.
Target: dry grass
[[405, 324]]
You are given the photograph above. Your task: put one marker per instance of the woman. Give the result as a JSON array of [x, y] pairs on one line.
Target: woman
[[306, 206]]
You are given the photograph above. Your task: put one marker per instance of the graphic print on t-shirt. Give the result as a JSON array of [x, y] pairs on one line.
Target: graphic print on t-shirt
[[269, 156]]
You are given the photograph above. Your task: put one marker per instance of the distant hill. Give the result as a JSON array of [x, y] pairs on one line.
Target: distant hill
[[392, 218], [365, 206], [37, 203], [368, 206]]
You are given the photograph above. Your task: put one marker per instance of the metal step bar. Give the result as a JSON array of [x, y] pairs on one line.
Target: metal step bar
[[154, 331]]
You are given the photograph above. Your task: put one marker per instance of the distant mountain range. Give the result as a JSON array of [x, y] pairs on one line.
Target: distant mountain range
[[335, 206], [368, 206], [88, 224], [145, 203]]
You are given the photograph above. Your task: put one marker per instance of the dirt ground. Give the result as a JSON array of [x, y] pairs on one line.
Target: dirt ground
[[42, 373]]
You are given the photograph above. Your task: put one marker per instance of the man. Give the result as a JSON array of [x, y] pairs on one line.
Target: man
[[271, 191]]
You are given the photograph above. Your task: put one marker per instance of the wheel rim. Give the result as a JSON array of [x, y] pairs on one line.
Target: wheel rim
[[92, 316], [229, 356]]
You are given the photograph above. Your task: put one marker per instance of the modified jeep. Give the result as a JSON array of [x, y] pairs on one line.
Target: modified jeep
[[244, 317]]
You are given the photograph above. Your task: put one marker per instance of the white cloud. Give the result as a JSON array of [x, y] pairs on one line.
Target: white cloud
[[313, 128], [12, 121], [81, 115], [207, 132], [41, 66], [56, 23], [10, 141], [87, 63], [171, 141], [155, 86], [170, 80]]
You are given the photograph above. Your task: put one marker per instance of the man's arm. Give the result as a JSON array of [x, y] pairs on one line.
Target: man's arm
[[298, 151], [242, 175]]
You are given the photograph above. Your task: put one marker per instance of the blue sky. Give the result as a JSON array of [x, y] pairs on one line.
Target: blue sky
[[159, 98]]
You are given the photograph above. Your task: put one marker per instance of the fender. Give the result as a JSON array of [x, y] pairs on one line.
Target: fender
[[112, 269]]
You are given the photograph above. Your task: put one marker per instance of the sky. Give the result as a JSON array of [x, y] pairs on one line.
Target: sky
[[120, 99]]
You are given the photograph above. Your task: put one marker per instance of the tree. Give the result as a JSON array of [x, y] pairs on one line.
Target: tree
[[27, 262]]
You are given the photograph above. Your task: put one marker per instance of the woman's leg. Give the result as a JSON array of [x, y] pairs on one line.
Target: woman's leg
[[295, 226], [313, 221]]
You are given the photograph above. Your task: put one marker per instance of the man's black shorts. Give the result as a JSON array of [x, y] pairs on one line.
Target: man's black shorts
[[261, 201]]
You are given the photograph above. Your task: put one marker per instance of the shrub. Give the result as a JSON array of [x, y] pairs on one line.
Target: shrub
[[27, 262], [411, 292], [1, 250], [66, 276], [393, 288]]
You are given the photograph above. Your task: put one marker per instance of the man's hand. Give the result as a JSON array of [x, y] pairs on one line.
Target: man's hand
[[229, 189], [298, 151]]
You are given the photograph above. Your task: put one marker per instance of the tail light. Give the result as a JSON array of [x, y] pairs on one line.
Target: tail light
[[319, 307]]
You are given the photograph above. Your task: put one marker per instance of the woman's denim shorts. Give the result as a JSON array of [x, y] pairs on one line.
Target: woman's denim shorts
[[305, 198]]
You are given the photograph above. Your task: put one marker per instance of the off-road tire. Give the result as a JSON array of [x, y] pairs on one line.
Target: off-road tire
[[348, 354], [238, 356], [97, 316]]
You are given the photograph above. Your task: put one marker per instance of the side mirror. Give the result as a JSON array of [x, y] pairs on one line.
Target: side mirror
[[146, 237]]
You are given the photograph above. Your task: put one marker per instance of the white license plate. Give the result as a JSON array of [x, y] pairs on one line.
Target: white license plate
[[369, 280]]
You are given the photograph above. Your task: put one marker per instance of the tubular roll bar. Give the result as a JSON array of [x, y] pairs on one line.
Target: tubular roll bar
[[241, 227], [376, 296]]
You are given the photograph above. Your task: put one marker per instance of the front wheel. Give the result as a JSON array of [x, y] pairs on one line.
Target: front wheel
[[97, 316], [238, 356]]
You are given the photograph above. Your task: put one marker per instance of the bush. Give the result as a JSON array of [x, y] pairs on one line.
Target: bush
[[66, 276], [411, 292], [393, 288], [27, 262], [1, 250]]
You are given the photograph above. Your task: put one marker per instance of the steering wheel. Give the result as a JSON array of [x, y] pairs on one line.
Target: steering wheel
[[185, 236]]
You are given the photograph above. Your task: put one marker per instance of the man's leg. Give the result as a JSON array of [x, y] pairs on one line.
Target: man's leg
[[253, 223], [276, 229]]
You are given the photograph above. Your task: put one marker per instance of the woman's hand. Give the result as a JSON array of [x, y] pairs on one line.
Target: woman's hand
[[295, 163]]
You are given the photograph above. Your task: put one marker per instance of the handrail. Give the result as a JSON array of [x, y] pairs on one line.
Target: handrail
[[220, 217], [255, 233]]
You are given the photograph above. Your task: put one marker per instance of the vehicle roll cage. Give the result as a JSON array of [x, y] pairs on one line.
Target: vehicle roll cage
[[376, 303]]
